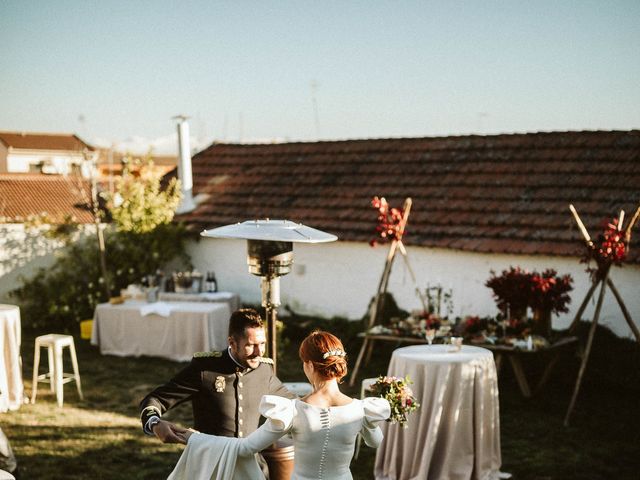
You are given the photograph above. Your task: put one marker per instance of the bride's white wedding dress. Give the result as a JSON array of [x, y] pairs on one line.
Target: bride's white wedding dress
[[324, 440]]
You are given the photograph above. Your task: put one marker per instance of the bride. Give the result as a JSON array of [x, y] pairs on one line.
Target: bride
[[324, 426]]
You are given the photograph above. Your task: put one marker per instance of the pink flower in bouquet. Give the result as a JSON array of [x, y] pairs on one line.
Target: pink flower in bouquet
[[400, 397]]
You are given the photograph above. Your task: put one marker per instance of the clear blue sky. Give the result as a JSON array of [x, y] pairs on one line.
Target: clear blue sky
[[111, 70]]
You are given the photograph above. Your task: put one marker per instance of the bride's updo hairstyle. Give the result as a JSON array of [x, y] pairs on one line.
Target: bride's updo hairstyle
[[326, 353]]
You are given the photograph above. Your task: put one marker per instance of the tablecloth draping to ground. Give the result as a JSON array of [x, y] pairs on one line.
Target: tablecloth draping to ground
[[176, 331], [11, 389], [455, 434]]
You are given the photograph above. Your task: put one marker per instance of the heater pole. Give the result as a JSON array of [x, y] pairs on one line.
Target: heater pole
[[272, 316], [271, 301], [269, 256]]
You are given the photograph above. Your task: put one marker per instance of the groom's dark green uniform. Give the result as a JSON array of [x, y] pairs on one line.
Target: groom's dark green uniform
[[225, 397]]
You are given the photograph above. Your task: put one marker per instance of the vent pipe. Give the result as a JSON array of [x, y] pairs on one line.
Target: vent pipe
[[184, 166]]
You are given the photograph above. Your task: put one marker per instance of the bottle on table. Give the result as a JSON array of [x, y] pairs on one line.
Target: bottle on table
[[211, 282]]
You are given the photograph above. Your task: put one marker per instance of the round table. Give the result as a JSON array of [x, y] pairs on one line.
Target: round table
[[11, 390], [455, 434]]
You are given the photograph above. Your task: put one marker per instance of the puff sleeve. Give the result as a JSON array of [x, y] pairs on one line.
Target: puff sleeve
[[279, 413], [375, 410]]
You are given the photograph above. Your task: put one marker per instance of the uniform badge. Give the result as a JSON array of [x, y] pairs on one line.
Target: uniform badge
[[220, 384]]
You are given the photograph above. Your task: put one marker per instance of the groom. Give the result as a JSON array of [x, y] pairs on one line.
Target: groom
[[224, 388]]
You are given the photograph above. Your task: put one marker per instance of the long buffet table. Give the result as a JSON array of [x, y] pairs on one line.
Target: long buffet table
[[516, 356], [173, 330]]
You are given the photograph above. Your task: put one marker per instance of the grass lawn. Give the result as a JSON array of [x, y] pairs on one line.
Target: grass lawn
[[100, 437]]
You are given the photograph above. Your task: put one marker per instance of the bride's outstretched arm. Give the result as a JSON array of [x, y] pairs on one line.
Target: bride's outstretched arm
[[279, 413], [376, 410], [259, 440], [254, 443]]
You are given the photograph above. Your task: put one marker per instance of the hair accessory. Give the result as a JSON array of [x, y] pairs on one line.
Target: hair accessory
[[334, 353]]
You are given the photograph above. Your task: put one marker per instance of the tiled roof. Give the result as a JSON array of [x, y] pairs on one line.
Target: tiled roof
[[498, 193], [25, 194], [115, 157], [43, 141]]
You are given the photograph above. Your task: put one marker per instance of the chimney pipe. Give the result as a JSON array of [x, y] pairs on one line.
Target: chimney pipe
[[184, 166]]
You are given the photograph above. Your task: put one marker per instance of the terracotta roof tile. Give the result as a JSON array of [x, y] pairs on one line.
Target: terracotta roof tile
[[22, 195], [499, 193], [43, 141]]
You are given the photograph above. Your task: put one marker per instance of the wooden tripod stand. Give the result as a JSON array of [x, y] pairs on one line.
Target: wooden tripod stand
[[602, 279], [378, 300]]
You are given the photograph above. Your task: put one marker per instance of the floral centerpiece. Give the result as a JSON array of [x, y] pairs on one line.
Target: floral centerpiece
[[472, 326], [477, 329], [429, 321], [399, 395], [517, 289], [549, 294], [511, 291]]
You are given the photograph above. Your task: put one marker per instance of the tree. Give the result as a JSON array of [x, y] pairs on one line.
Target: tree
[[139, 203], [143, 240]]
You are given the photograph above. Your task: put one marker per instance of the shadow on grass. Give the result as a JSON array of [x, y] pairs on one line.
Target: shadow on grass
[[101, 436], [118, 455]]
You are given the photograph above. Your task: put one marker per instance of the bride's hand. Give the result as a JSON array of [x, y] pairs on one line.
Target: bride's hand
[[187, 433], [183, 434]]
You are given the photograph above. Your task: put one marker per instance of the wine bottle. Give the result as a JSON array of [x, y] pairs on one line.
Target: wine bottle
[[214, 282]]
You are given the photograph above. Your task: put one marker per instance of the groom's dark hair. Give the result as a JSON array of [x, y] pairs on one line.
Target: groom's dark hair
[[241, 320]]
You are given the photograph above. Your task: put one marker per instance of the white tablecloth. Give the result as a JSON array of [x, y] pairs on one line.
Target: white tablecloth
[[176, 331], [455, 434], [11, 389], [217, 297]]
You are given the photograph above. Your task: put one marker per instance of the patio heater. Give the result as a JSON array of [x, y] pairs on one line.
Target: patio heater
[[270, 256]]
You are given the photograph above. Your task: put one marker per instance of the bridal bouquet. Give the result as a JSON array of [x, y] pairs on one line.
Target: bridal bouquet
[[400, 397]]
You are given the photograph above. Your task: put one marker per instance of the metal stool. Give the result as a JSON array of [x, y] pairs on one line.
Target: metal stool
[[56, 377], [364, 386]]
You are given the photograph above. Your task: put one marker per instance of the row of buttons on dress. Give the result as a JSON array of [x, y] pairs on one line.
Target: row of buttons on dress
[[326, 425]]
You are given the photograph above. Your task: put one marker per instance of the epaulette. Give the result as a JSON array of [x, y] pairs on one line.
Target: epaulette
[[213, 353], [266, 360]]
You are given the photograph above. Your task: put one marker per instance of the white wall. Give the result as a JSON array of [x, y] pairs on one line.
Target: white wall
[[340, 278], [22, 253], [18, 161]]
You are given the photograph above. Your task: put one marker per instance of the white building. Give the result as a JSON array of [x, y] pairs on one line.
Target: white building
[[480, 203], [24, 197], [42, 153]]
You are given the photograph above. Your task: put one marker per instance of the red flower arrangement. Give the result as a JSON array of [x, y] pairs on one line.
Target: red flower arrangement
[[550, 292], [511, 291], [609, 248], [432, 321], [389, 222], [473, 326], [516, 289]]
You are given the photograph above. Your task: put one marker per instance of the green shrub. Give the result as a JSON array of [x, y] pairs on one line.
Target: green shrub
[[61, 296]]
